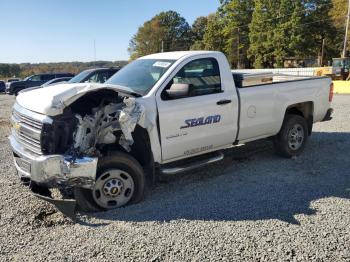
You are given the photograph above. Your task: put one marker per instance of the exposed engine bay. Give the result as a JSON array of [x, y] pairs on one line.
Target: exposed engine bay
[[95, 120], [105, 124]]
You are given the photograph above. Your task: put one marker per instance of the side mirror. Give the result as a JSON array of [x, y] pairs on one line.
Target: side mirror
[[178, 90]]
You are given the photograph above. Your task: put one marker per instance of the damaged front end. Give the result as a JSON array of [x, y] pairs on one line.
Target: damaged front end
[[63, 151], [108, 124]]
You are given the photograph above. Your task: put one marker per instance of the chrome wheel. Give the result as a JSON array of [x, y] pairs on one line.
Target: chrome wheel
[[296, 136], [114, 188]]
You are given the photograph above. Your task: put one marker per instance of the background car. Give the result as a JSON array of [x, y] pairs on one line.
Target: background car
[[52, 82], [13, 88], [10, 80], [97, 75], [2, 86], [58, 80]]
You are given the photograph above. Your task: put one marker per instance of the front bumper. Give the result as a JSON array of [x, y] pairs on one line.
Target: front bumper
[[54, 170]]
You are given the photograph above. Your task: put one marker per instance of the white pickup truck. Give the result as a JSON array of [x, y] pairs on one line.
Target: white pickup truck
[[161, 114]]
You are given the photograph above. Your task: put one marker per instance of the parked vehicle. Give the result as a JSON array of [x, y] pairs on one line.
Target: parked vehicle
[[13, 88], [2, 86], [96, 75], [10, 80], [52, 82], [56, 81], [161, 114]]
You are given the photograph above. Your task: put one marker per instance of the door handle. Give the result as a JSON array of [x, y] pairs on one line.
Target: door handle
[[224, 102]]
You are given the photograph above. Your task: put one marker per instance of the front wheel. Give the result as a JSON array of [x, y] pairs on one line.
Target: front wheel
[[119, 181], [292, 138]]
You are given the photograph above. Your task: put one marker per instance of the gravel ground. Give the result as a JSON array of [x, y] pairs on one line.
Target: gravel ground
[[253, 206]]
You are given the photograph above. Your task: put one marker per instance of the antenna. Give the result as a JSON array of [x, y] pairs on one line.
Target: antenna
[[94, 52]]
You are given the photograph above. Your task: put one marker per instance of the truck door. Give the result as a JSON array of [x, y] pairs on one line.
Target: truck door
[[203, 120]]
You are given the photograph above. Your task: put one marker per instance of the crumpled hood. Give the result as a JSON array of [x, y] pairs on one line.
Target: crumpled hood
[[52, 100]]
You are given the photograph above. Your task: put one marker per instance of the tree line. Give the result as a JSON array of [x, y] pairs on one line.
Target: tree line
[[252, 33], [27, 69]]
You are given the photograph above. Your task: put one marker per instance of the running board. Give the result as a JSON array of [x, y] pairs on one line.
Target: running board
[[195, 165]]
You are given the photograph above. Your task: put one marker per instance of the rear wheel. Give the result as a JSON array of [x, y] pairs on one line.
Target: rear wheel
[[292, 138], [119, 181]]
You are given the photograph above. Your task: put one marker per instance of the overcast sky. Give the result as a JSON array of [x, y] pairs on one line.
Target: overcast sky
[[64, 30]]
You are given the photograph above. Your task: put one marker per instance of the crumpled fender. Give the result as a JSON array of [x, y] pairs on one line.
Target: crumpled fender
[[100, 126]]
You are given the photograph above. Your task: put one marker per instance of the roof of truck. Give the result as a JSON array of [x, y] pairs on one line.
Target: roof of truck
[[176, 55]]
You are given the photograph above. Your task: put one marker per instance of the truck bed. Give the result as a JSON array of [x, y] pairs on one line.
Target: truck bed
[[264, 99]]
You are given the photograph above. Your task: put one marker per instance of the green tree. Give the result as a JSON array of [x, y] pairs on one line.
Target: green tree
[[147, 40], [167, 30], [214, 38], [261, 49], [237, 15], [198, 30], [319, 27], [289, 33]]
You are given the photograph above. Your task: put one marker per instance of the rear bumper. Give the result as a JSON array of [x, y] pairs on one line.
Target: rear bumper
[[54, 170], [328, 115]]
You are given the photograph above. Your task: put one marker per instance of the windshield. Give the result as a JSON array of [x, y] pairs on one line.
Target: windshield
[[80, 77], [341, 62], [141, 75], [337, 63]]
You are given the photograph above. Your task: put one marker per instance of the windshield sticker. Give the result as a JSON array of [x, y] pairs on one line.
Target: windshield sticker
[[161, 64]]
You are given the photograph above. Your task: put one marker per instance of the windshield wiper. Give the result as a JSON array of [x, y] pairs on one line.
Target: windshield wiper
[[135, 94]]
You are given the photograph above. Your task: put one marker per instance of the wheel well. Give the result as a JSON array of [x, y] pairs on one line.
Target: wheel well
[[306, 110], [17, 89], [140, 150]]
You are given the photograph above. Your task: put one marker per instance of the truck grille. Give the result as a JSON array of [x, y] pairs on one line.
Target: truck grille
[[27, 129], [30, 143], [27, 120]]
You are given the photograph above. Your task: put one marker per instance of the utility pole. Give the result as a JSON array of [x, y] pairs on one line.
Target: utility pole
[[322, 52], [163, 44], [346, 32]]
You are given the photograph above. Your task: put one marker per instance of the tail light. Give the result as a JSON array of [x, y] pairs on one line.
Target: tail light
[[331, 92]]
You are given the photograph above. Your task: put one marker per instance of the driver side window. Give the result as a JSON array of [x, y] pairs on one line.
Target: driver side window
[[34, 78], [98, 77], [202, 76]]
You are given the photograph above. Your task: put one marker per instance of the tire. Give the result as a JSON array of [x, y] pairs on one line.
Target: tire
[[292, 138], [113, 170]]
